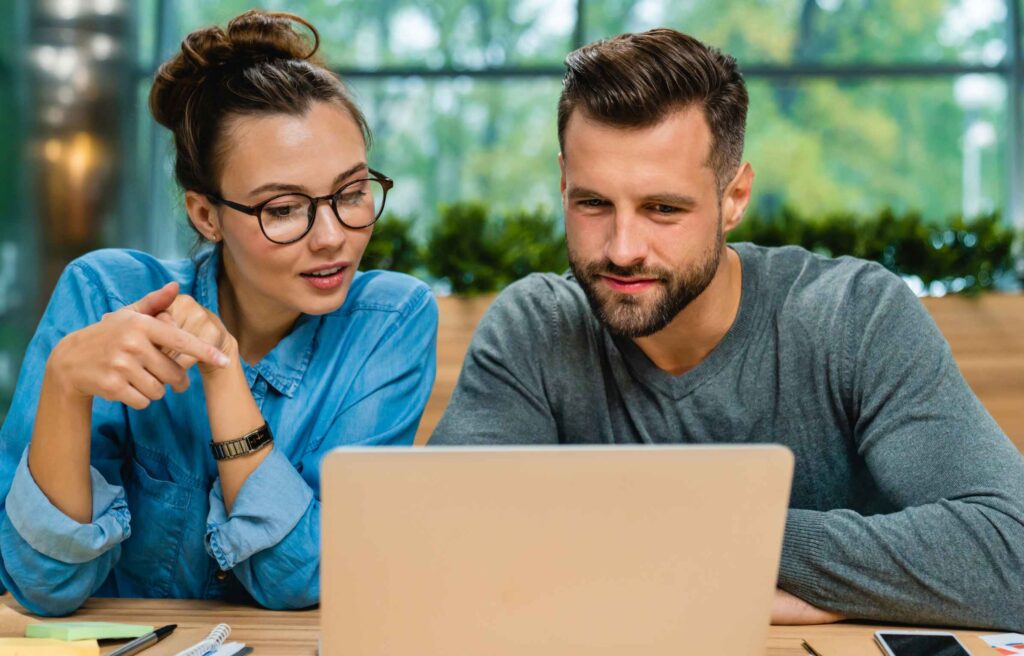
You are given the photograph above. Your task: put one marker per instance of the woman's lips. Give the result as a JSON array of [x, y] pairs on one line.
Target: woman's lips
[[332, 281]]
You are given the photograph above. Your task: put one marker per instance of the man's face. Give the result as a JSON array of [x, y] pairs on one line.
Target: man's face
[[643, 218]]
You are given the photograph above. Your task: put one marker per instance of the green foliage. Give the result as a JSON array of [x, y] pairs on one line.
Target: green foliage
[[530, 241], [462, 249], [477, 250], [472, 248], [964, 255], [392, 246]]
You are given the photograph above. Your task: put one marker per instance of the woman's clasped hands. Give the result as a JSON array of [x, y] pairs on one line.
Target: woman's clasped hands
[[133, 354]]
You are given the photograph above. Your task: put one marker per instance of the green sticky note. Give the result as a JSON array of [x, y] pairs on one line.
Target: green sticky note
[[86, 630]]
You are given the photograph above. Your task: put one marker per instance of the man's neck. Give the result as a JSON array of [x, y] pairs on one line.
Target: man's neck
[[698, 329], [257, 326]]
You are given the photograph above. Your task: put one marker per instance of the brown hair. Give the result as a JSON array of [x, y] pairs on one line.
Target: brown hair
[[259, 65], [636, 80]]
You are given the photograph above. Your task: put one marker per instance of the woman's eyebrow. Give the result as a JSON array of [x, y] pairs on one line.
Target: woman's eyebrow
[[348, 173], [283, 186]]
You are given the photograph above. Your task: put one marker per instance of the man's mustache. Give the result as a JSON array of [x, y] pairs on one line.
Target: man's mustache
[[631, 271]]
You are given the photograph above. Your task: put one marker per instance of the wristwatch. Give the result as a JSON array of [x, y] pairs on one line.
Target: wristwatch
[[244, 445]]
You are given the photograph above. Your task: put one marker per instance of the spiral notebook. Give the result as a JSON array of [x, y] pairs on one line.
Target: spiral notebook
[[215, 645]]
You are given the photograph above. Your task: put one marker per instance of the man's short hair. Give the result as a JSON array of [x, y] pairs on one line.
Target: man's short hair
[[636, 80]]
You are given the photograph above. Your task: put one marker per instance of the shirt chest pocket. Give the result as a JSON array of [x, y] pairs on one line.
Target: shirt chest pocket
[[159, 515]]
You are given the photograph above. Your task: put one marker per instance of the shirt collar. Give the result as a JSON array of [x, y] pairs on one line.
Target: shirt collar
[[286, 364]]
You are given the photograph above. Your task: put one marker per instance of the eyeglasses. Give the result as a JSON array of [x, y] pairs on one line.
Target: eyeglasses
[[287, 218]]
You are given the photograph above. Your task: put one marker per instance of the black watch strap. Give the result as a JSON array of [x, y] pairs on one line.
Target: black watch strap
[[244, 445]]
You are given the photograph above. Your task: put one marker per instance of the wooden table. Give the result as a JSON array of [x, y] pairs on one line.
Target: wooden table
[[295, 633]]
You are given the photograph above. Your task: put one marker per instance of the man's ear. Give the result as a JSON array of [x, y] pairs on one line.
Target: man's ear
[[561, 169], [203, 215], [736, 197]]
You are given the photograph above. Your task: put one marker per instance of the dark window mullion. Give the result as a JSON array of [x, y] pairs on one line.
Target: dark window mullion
[[1015, 116], [579, 35]]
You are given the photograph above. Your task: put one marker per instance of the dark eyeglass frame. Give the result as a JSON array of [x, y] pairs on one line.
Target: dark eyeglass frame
[[386, 184]]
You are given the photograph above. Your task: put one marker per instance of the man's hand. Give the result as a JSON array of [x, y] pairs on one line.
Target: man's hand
[[789, 609]]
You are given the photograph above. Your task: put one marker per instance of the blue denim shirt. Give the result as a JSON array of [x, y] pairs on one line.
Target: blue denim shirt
[[360, 375]]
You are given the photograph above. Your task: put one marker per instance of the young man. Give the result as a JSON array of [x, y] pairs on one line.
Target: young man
[[908, 500]]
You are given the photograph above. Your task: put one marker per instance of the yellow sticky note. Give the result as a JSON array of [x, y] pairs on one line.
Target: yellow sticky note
[[46, 647]]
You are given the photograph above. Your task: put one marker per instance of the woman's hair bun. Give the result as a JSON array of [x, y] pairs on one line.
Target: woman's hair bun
[[250, 37], [262, 63], [257, 34]]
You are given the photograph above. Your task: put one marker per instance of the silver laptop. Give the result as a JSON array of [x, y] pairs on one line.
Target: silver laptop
[[551, 551]]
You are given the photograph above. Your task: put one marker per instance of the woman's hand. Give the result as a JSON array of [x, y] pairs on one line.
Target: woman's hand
[[185, 313], [230, 406], [790, 609], [122, 357]]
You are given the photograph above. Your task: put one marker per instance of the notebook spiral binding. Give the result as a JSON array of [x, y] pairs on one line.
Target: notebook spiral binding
[[212, 642]]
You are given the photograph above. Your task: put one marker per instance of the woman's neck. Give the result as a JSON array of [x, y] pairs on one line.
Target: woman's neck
[[255, 323]]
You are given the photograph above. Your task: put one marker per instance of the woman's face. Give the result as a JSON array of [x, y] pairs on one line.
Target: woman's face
[[315, 154]]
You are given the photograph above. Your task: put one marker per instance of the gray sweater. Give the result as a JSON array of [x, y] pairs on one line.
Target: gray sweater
[[907, 501]]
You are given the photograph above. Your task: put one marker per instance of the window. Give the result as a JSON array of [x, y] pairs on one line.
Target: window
[[856, 105]]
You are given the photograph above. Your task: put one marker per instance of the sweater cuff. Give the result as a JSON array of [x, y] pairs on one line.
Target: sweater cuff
[[52, 533], [268, 506], [803, 548]]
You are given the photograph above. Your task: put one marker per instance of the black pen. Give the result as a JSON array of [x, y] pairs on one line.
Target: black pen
[[807, 646], [148, 640]]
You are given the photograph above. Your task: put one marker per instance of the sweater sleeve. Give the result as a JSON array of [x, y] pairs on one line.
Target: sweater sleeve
[[953, 551], [500, 395]]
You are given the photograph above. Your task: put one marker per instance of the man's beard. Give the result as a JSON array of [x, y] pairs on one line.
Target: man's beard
[[629, 316]]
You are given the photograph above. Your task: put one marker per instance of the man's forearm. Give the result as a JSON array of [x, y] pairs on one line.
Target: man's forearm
[[954, 563]]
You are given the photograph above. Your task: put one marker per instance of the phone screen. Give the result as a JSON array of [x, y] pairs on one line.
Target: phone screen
[[922, 645]]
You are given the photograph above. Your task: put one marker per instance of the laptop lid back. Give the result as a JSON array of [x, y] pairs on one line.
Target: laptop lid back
[[551, 551]]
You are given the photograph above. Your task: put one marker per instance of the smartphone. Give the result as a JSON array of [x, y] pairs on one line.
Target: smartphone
[[920, 643]]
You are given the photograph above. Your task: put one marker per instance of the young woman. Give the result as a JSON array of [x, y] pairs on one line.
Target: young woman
[[166, 433]]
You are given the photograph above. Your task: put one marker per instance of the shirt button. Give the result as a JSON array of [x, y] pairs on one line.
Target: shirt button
[[221, 575]]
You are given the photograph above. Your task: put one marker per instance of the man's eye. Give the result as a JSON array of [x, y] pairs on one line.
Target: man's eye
[[666, 209], [592, 202]]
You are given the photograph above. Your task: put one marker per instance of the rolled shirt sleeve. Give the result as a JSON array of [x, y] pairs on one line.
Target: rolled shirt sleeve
[[52, 563], [50, 532], [255, 523]]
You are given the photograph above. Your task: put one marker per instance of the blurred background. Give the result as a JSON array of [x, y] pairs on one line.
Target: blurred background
[[890, 129]]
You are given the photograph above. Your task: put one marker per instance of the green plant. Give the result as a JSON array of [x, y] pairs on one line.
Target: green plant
[[527, 242], [461, 248], [392, 246], [963, 255], [479, 252]]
